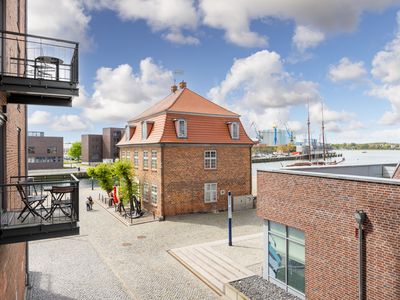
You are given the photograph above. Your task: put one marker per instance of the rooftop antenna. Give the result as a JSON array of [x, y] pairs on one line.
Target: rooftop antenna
[[308, 130], [323, 132]]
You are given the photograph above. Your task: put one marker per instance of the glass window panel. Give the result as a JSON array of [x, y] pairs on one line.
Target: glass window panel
[[296, 263], [277, 257], [277, 228], [296, 235]]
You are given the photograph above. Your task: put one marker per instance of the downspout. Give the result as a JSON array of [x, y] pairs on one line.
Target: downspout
[[27, 278], [360, 218], [162, 182]]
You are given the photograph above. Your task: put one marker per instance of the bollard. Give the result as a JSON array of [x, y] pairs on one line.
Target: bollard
[[230, 218]]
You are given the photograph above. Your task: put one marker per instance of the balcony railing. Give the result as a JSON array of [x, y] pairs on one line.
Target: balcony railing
[[31, 63], [36, 208]]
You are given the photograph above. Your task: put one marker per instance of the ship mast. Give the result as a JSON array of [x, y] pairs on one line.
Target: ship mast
[[308, 130], [323, 133]]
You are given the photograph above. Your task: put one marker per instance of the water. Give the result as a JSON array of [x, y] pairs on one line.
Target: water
[[351, 157]]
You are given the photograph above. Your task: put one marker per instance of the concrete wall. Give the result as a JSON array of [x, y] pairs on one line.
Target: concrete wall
[[92, 148], [324, 209], [111, 136]]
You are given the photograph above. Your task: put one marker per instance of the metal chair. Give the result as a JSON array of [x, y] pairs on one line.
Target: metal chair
[[57, 194], [32, 202]]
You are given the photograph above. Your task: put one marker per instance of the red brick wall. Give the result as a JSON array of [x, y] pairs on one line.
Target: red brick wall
[[185, 176], [324, 209], [12, 257]]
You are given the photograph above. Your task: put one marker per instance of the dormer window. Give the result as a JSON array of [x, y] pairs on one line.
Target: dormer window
[[181, 128], [234, 130], [144, 130], [127, 133]]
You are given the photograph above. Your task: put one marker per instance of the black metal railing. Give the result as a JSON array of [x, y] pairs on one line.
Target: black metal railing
[[37, 57], [28, 201]]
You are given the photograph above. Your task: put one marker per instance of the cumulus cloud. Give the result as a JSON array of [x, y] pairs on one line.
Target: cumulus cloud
[[306, 37], [120, 93], [39, 117], [347, 70], [386, 69], [171, 16], [65, 19], [64, 122], [325, 16]]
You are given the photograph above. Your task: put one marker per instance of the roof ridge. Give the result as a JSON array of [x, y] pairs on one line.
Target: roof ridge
[[206, 100], [181, 92]]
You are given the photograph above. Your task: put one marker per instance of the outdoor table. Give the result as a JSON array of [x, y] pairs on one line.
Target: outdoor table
[[43, 60], [57, 193]]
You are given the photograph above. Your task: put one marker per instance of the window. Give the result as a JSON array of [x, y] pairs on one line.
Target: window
[[31, 150], [153, 194], [135, 159], [122, 155], [286, 256], [181, 128], [127, 133], [210, 192], [154, 160], [144, 130], [145, 192], [128, 155], [51, 150], [145, 159], [234, 129], [210, 159]]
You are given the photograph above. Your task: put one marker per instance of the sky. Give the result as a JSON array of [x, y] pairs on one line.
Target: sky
[[266, 60]]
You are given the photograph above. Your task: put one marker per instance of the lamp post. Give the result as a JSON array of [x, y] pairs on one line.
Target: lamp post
[[360, 216]]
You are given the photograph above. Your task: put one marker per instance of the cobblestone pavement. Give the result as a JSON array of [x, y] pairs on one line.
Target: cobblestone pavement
[[129, 261]]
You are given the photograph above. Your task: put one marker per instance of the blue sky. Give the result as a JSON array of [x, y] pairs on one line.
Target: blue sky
[[264, 61]]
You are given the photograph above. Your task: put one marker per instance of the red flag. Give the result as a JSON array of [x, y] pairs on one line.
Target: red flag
[[115, 195]]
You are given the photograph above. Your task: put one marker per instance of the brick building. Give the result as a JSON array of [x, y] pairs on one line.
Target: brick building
[[97, 147], [24, 81], [188, 152], [312, 246], [45, 152]]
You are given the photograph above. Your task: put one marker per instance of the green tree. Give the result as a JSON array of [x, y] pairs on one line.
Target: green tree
[[75, 151], [104, 174], [123, 171]]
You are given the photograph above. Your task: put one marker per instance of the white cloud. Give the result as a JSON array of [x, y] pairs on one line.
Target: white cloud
[[177, 37], [65, 19], [172, 16], [386, 69], [39, 117], [69, 123], [306, 37], [235, 17], [120, 94], [347, 70]]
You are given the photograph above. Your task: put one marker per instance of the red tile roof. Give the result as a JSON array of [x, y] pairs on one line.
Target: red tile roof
[[206, 121]]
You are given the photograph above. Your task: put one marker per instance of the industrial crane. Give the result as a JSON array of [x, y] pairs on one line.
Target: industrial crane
[[259, 135]]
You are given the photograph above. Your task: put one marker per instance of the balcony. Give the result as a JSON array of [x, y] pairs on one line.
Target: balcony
[[35, 208], [38, 70]]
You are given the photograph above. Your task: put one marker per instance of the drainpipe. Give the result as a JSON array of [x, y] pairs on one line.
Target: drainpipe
[[360, 216], [28, 281]]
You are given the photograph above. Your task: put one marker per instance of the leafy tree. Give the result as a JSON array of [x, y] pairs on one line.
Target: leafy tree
[[104, 174], [75, 151], [123, 171]]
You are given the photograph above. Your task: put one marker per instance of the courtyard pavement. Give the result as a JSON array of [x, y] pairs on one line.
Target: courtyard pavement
[[110, 260]]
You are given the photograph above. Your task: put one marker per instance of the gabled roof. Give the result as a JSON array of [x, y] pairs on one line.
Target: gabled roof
[[185, 101]]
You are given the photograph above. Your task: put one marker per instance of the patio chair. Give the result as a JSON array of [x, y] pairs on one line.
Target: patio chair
[[57, 194], [31, 202]]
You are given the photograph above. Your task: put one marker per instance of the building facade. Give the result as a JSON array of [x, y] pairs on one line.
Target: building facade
[[312, 237], [187, 153], [22, 83], [97, 147], [111, 137], [45, 152]]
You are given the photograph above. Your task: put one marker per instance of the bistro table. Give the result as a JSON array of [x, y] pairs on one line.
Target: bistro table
[[57, 194], [41, 63]]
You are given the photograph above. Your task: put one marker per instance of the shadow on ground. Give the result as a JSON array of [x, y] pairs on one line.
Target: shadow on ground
[[38, 280]]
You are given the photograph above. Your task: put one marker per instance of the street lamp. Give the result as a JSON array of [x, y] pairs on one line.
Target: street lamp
[[360, 216]]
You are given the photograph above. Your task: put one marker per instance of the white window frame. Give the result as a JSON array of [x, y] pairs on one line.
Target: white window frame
[[210, 192], [122, 155], [182, 134], [127, 133], [154, 159], [209, 160], [145, 160], [235, 130], [146, 192], [154, 194], [136, 159], [144, 130], [128, 155]]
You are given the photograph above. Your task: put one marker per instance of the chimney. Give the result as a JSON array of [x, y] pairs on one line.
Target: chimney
[[182, 85], [174, 88]]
